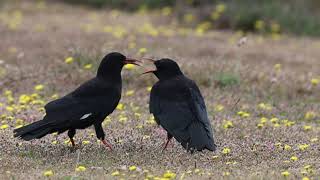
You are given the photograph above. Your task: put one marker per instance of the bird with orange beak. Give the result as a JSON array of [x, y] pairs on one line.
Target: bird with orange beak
[[178, 106]]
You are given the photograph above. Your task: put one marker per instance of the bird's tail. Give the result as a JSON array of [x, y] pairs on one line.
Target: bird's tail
[[200, 138], [35, 130]]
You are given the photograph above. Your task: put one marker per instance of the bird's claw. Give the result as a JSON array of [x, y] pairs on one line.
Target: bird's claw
[[107, 144]]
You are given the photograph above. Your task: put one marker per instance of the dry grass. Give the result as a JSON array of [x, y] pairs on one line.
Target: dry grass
[[34, 53]]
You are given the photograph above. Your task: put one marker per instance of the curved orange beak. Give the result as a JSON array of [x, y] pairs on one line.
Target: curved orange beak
[[150, 70], [132, 61]]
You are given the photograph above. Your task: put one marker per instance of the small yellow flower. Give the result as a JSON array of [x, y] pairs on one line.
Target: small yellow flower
[[310, 115], [69, 60], [215, 157], [226, 151], [294, 158], [285, 173], [169, 175], [274, 120], [87, 66], [4, 126], [307, 128], [263, 120], [129, 66], [48, 173], [315, 81], [85, 142], [287, 147], [305, 178], [219, 107], [39, 87], [120, 106], [115, 173], [55, 96], [10, 108], [277, 67], [54, 142], [133, 168], [226, 174], [142, 51], [260, 125], [314, 139], [227, 124], [130, 93], [149, 88], [81, 168], [303, 147]]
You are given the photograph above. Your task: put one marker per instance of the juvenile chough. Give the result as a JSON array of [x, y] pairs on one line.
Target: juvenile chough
[[88, 105], [178, 106]]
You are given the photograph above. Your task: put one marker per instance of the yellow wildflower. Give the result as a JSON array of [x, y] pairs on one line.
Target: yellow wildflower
[[303, 147], [87, 66], [315, 81], [133, 168], [115, 173], [68, 60], [85, 142], [294, 158], [149, 88], [307, 127], [4, 126], [120, 106], [219, 107], [142, 51], [48, 173], [169, 175], [130, 93], [129, 66], [310, 115], [285, 173], [277, 67], [81, 168], [227, 125], [314, 139], [39, 87], [287, 147], [226, 150]]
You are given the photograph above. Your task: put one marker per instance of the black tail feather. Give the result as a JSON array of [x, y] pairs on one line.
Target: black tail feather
[[35, 130], [199, 138]]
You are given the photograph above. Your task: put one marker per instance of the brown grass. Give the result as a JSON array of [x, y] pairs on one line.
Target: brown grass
[[34, 53]]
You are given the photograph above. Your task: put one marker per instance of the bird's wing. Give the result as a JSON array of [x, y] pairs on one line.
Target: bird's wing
[[183, 114], [154, 104], [90, 99]]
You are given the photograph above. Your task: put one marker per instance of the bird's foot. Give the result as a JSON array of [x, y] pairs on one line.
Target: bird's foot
[[167, 144], [107, 144]]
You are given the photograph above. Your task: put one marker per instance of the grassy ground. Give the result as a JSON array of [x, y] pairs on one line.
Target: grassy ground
[[262, 97]]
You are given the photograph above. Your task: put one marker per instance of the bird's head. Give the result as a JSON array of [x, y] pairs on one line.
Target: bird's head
[[165, 69], [113, 63]]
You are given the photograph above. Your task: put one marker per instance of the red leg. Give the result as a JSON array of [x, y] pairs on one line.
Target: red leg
[[166, 145], [106, 144], [72, 142]]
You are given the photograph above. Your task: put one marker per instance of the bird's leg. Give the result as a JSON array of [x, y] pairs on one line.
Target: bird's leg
[[71, 134], [100, 135], [169, 137]]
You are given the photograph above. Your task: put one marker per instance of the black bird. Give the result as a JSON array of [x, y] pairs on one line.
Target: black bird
[[178, 106], [88, 105]]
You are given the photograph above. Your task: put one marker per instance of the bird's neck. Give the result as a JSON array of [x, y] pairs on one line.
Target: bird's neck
[[111, 77]]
